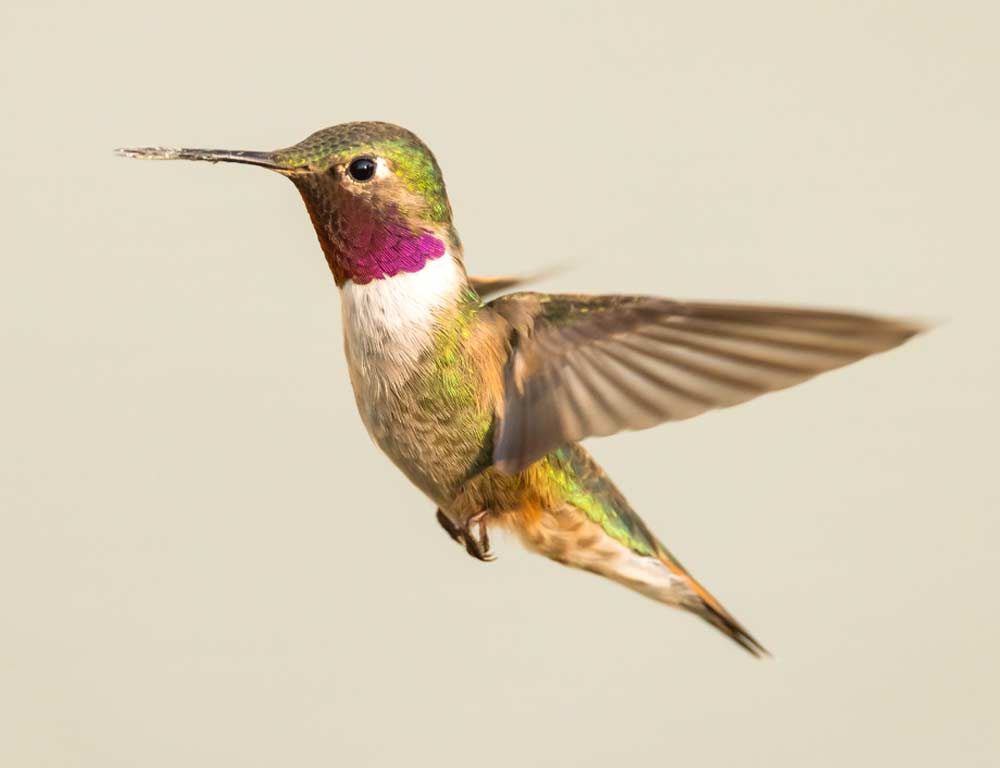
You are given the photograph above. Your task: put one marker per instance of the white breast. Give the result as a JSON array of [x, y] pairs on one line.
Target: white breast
[[388, 323]]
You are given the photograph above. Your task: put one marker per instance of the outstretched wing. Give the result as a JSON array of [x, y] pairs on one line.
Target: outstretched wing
[[583, 366]]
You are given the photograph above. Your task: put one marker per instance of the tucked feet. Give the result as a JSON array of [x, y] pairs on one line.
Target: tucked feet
[[449, 527], [477, 538], [473, 535]]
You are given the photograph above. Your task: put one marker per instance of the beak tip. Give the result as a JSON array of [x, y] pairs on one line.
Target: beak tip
[[148, 153]]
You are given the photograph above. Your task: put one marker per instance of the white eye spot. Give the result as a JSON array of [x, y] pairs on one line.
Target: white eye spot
[[382, 169]]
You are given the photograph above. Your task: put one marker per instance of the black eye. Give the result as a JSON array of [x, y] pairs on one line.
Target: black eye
[[361, 168]]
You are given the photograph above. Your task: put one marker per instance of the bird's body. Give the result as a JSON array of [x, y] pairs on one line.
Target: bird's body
[[425, 367], [427, 394], [482, 404]]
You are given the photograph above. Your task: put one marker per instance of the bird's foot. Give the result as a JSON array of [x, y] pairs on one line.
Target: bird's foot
[[478, 544], [473, 535], [449, 527]]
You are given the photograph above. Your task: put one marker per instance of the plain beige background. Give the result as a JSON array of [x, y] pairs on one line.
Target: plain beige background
[[203, 559]]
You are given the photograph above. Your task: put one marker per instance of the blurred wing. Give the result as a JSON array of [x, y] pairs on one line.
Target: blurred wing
[[486, 286], [583, 366]]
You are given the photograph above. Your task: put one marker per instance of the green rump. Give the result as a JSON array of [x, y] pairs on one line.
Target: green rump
[[584, 485]]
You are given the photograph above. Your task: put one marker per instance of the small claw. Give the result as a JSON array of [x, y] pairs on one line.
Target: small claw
[[449, 527], [478, 546], [484, 540], [474, 548]]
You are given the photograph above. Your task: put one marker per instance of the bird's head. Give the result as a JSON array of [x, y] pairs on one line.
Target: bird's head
[[374, 192]]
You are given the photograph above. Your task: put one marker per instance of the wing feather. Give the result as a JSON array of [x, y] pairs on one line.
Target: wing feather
[[583, 366]]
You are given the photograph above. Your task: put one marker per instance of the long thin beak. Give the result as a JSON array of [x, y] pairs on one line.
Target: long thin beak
[[263, 159]]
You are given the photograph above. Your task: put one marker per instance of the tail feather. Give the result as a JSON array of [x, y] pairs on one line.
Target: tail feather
[[585, 522], [726, 624], [704, 604], [570, 537]]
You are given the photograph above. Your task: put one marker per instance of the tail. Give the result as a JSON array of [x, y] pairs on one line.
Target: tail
[[623, 550], [701, 602]]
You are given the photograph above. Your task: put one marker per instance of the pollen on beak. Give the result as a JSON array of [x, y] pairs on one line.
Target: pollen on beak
[[269, 160]]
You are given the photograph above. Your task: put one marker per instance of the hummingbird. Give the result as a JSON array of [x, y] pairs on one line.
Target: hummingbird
[[482, 404]]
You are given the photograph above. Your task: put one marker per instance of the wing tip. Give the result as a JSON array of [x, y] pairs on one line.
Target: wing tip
[[914, 326], [893, 332]]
